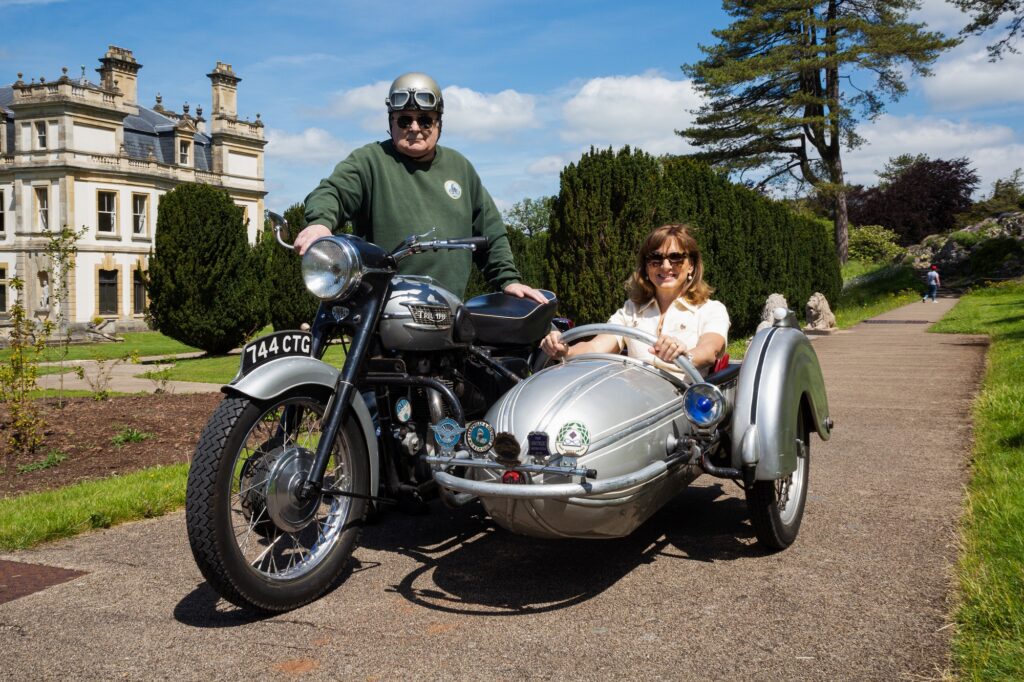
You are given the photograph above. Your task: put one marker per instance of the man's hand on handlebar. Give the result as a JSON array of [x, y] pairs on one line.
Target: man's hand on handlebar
[[310, 234], [524, 291]]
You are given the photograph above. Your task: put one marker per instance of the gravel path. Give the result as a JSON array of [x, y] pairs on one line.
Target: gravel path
[[863, 594]]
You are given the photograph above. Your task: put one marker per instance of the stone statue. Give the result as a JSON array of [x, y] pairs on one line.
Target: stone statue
[[819, 313], [774, 301]]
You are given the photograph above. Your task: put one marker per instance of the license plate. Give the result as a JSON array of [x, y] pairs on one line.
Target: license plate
[[283, 344]]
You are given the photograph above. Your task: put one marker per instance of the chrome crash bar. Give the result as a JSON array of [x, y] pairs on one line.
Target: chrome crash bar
[[548, 491]]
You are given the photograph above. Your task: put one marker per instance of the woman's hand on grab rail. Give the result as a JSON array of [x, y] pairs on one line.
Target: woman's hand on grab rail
[[553, 346], [667, 348], [310, 234]]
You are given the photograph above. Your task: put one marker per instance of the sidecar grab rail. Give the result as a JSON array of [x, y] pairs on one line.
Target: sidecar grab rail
[[549, 491]]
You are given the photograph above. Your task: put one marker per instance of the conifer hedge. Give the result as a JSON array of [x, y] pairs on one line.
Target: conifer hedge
[[204, 283], [752, 246], [289, 302]]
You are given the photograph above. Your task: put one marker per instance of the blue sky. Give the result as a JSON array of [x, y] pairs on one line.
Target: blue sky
[[529, 85]]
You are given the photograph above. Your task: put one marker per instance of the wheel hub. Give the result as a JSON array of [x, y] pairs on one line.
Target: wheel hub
[[286, 508]]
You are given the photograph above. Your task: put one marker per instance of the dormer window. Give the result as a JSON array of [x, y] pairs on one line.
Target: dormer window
[[183, 152], [40, 135]]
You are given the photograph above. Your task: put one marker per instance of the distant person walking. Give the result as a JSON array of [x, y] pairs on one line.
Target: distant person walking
[[933, 284]]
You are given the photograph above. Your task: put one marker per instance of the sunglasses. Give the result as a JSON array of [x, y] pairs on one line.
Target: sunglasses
[[425, 122], [674, 258], [421, 99]]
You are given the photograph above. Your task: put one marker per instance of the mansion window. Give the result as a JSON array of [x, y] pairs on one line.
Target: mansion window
[[183, 150], [40, 134], [108, 292], [138, 292], [106, 212], [139, 212], [42, 208], [3, 290], [2, 226]]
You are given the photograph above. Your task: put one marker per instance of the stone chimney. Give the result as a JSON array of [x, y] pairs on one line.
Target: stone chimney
[[225, 91], [120, 69]]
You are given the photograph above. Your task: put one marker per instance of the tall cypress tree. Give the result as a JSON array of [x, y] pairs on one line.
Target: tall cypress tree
[[204, 286], [789, 80]]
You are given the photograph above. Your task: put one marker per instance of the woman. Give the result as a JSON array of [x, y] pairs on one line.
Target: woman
[[668, 298]]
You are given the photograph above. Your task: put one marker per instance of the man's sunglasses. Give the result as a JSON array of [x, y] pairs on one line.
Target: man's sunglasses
[[674, 258], [425, 122]]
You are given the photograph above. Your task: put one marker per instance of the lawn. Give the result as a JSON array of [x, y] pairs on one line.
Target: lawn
[[989, 643]]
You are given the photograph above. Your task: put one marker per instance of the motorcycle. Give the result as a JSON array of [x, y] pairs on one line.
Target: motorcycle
[[299, 451]]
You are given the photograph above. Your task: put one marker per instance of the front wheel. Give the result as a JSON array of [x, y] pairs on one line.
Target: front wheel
[[256, 541], [777, 507]]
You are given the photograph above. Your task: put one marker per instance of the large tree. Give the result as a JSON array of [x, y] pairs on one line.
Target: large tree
[[986, 13], [916, 196], [789, 80]]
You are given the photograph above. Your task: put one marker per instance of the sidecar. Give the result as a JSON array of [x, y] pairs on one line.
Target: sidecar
[[592, 447]]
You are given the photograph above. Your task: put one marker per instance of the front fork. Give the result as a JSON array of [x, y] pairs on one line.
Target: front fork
[[364, 320]]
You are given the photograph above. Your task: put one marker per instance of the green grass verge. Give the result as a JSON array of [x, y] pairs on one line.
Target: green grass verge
[[222, 368], [143, 343], [874, 291], [989, 643], [28, 520]]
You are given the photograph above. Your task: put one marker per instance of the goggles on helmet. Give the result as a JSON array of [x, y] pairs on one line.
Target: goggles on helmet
[[425, 100]]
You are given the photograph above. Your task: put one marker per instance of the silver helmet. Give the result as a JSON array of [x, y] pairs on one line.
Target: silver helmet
[[415, 90]]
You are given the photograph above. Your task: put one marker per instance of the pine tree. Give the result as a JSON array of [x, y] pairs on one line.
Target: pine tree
[[788, 82], [204, 286], [986, 13]]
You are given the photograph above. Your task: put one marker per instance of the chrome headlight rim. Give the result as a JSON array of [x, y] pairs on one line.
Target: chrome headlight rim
[[349, 259], [696, 416]]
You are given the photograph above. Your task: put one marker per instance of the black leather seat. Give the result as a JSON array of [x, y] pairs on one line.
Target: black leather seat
[[503, 320]]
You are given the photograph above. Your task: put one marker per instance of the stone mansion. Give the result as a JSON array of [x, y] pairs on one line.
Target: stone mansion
[[84, 155]]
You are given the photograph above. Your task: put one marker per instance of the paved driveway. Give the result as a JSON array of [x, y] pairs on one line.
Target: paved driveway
[[862, 594]]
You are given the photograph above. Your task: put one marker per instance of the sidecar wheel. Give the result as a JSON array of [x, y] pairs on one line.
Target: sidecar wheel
[[777, 507], [255, 541]]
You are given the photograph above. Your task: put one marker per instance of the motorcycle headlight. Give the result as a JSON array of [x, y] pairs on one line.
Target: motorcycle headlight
[[704, 405], [331, 268]]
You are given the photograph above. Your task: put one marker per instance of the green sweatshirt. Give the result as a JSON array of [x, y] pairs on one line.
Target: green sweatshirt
[[389, 196]]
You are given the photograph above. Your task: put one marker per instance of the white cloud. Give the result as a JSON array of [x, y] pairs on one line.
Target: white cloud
[[940, 15], [643, 111], [481, 116], [312, 145], [967, 80], [547, 165], [993, 149]]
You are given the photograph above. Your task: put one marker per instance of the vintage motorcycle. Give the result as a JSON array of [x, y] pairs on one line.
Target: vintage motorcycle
[[292, 460]]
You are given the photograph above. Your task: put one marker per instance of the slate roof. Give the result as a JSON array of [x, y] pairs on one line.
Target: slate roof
[[145, 132]]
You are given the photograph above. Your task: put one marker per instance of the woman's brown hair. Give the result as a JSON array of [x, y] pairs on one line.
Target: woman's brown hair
[[695, 290]]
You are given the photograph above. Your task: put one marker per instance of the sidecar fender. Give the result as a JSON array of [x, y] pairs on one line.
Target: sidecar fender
[[277, 376], [780, 376]]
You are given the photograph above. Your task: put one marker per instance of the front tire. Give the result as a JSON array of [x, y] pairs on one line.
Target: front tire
[[777, 507], [256, 543]]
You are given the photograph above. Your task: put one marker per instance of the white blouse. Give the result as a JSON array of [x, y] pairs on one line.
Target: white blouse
[[683, 320]]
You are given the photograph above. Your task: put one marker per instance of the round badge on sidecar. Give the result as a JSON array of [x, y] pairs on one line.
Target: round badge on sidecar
[[573, 439], [447, 433], [479, 436]]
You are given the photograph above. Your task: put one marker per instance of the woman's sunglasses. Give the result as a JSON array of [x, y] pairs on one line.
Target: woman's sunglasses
[[425, 122], [674, 258]]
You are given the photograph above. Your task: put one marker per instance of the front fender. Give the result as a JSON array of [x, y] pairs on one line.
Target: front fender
[[779, 377], [277, 376]]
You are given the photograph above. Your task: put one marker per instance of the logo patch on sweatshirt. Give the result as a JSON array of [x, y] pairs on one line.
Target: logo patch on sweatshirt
[[453, 189]]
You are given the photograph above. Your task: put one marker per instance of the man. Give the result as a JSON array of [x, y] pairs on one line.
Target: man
[[410, 185]]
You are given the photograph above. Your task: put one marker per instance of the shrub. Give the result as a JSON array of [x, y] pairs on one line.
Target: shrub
[[289, 303], [874, 244], [966, 239], [988, 257], [204, 283]]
